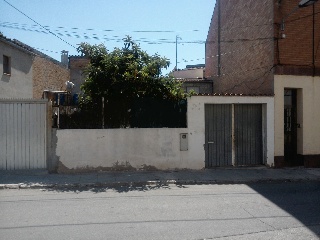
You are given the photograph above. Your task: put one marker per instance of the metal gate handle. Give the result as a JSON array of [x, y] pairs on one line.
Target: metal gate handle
[[210, 142]]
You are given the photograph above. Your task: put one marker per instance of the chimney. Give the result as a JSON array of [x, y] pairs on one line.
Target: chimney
[[64, 58]]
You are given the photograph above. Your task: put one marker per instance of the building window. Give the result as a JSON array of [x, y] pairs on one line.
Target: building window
[[6, 65]]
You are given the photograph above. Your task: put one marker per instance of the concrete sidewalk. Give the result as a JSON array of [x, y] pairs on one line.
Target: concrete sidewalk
[[41, 178]]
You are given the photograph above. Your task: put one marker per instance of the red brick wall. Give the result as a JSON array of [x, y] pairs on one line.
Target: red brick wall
[[247, 47], [211, 47], [294, 52]]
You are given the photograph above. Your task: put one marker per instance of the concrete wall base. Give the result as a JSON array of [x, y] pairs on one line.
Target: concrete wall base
[[308, 161], [311, 161], [279, 162]]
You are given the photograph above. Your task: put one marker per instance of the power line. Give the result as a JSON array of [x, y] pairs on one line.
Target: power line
[[223, 54], [75, 34], [243, 71], [97, 37], [110, 30], [142, 40], [182, 60], [38, 23], [46, 50], [239, 50], [241, 40], [261, 77], [225, 28]]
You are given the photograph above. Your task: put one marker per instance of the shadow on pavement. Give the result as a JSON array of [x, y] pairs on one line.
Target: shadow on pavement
[[299, 199]]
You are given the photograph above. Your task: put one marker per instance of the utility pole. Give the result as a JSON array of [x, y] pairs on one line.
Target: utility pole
[[177, 37]]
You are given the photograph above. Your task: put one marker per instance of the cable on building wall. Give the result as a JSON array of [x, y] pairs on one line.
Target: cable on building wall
[[261, 77], [225, 28], [297, 19]]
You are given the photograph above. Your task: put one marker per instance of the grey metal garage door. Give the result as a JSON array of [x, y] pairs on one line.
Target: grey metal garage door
[[248, 134], [233, 134], [22, 134], [218, 135]]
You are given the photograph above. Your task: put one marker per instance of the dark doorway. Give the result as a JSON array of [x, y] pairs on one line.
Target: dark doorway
[[290, 128]]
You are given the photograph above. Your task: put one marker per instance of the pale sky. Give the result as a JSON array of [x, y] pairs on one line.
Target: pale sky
[[153, 23]]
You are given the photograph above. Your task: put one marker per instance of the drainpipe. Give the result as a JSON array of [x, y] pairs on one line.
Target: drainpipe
[[313, 36], [58, 121]]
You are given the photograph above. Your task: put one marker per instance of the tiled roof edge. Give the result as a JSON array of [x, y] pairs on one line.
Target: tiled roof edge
[[30, 50]]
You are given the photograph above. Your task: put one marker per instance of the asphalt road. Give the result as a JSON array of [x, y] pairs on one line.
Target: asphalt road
[[254, 211]]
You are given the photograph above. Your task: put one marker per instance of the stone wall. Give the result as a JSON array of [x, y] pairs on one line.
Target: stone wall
[[48, 75]]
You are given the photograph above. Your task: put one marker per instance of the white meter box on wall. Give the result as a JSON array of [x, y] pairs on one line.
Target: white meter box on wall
[[183, 141]]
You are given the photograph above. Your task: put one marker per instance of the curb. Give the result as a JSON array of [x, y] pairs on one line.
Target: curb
[[144, 183]]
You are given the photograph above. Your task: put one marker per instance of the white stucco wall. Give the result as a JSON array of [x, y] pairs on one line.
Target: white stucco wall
[[308, 113], [160, 147], [19, 83]]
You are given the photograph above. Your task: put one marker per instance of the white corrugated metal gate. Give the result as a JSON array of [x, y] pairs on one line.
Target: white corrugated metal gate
[[23, 134]]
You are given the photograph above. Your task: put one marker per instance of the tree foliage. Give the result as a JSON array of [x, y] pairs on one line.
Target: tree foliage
[[124, 77]]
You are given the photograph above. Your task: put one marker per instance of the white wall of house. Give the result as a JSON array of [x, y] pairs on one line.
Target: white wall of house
[[308, 113], [160, 147], [19, 83]]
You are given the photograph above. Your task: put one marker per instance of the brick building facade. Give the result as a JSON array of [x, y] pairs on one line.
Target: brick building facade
[[272, 47], [252, 47], [297, 40]]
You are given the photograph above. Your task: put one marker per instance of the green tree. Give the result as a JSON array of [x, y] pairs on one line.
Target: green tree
[[125, 78]]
